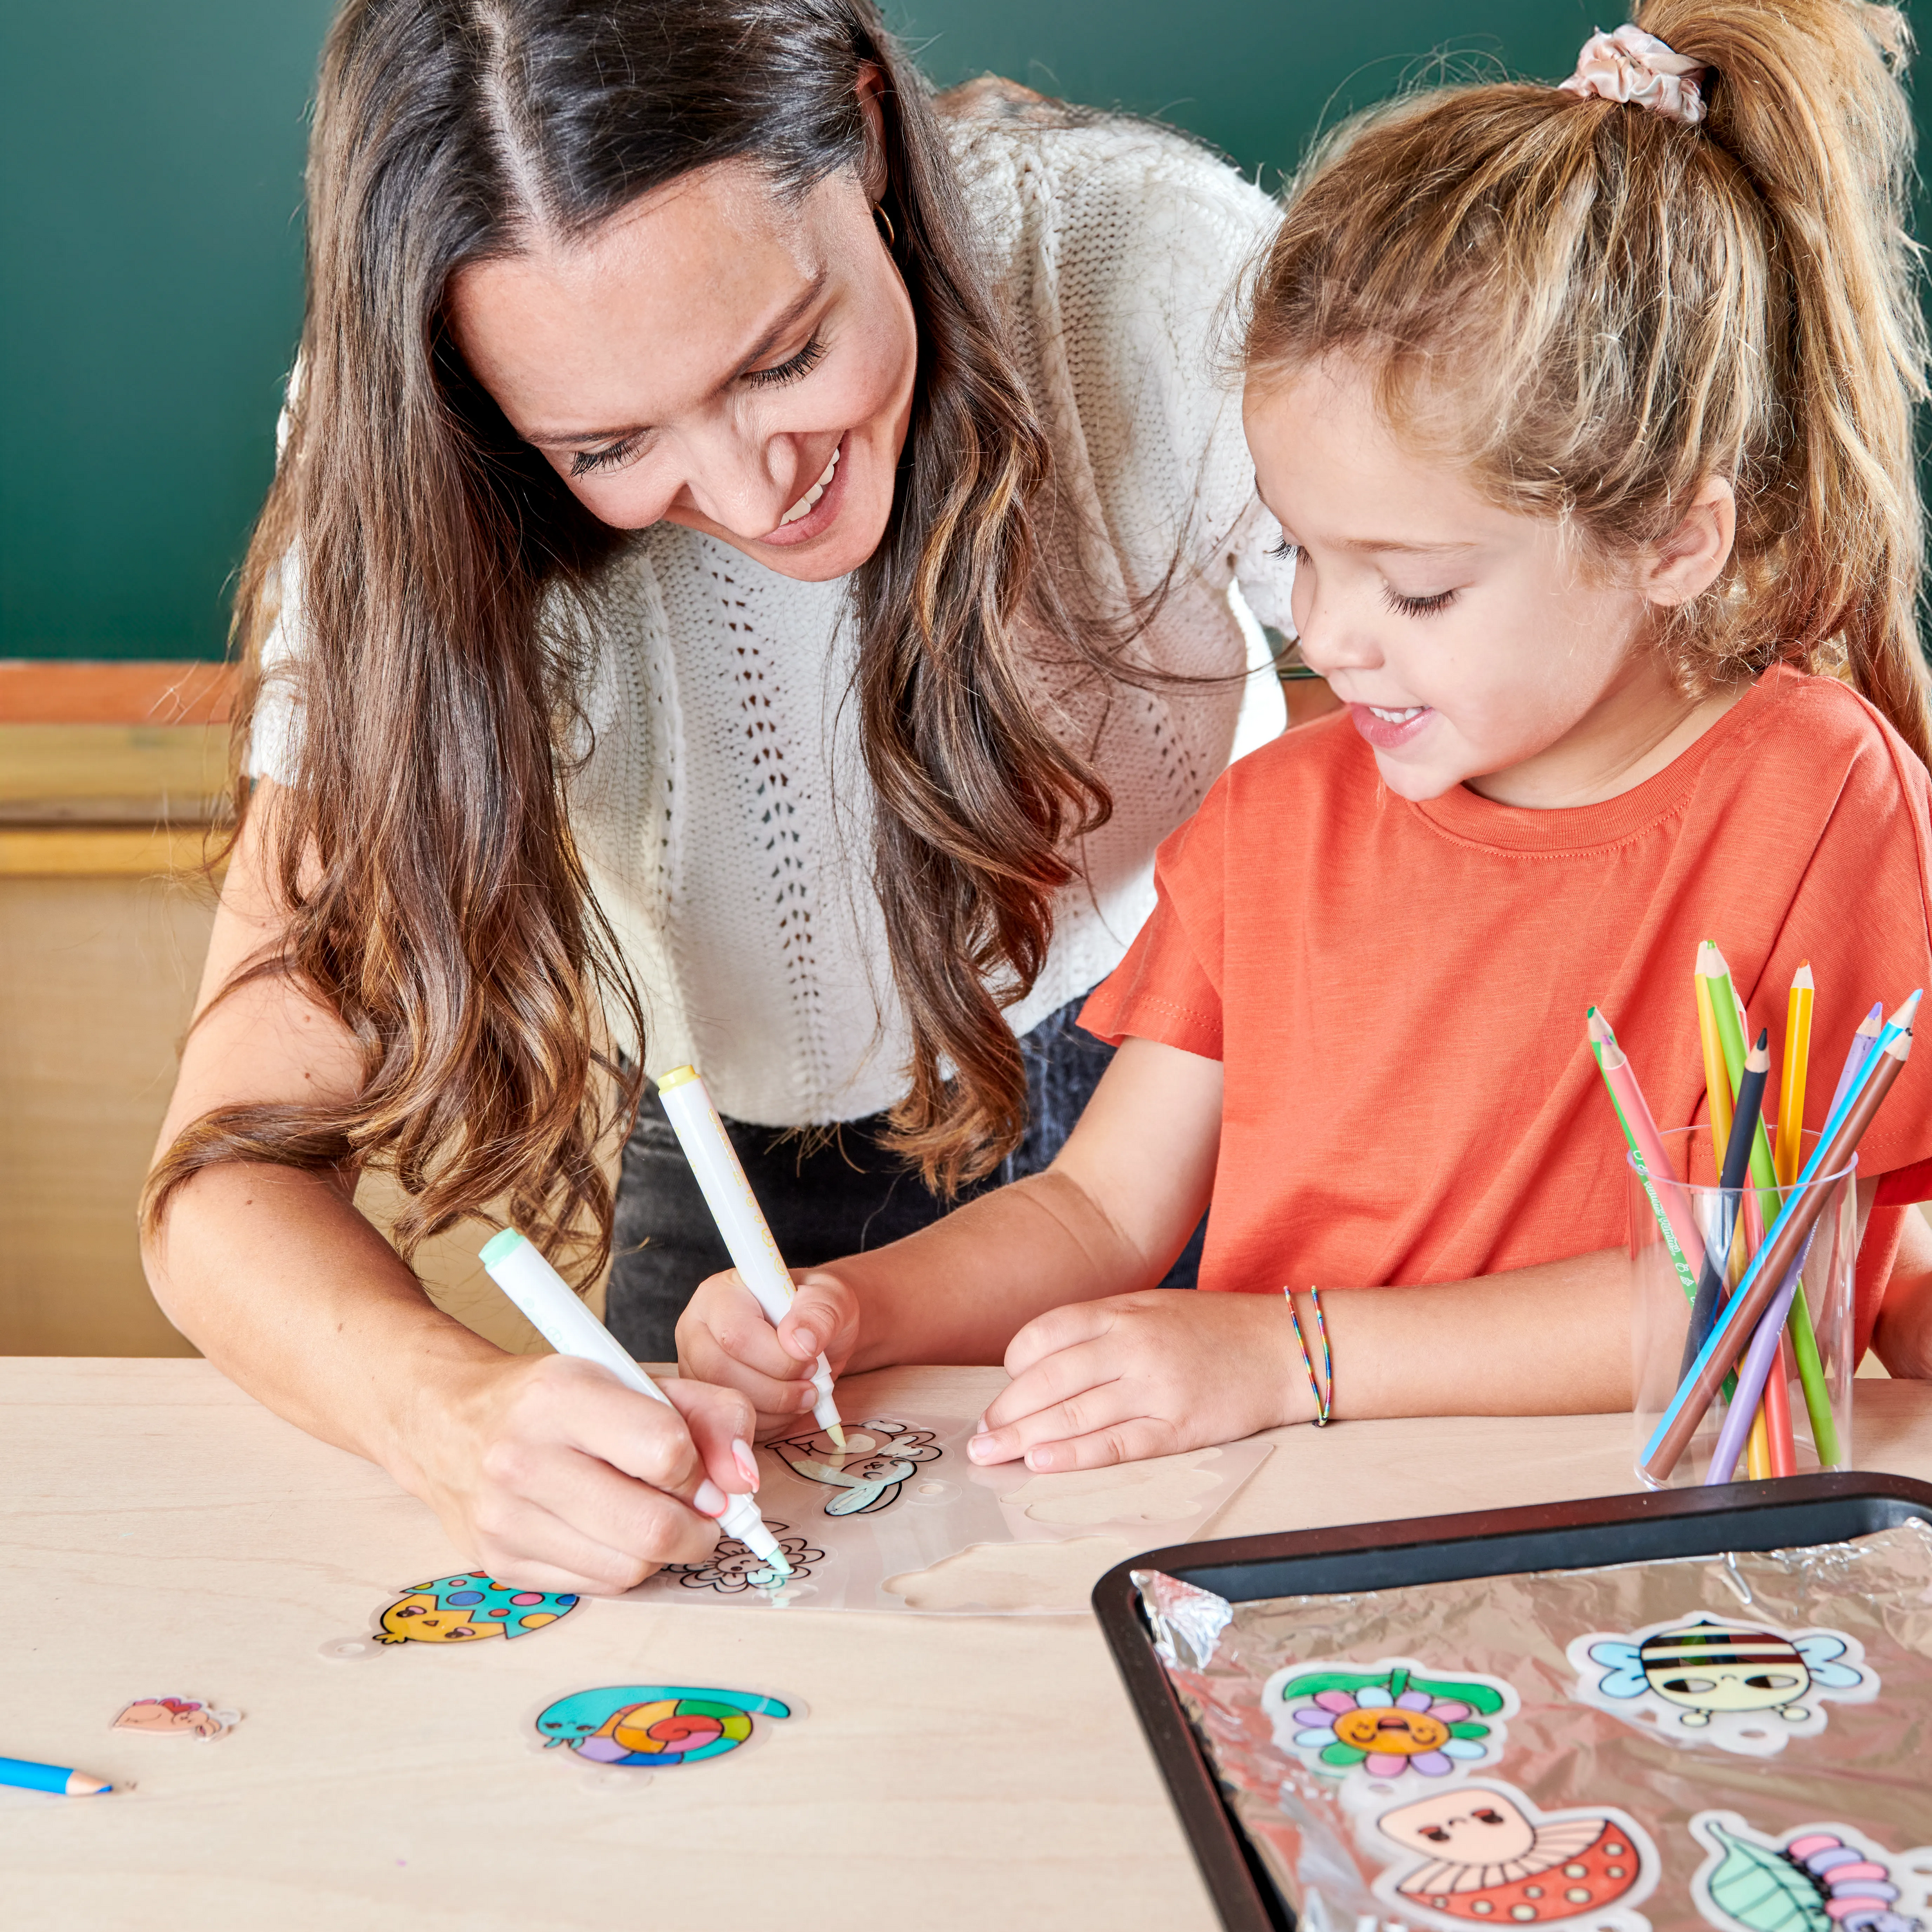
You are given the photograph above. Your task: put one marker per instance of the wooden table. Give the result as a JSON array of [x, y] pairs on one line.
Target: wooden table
[[162, 1534]]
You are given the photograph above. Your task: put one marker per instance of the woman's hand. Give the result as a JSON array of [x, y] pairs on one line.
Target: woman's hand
[[723, 1336], [1149, 1374], [553, 1475]]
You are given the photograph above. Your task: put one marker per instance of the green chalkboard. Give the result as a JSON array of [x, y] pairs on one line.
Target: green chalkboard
[[150, 189]]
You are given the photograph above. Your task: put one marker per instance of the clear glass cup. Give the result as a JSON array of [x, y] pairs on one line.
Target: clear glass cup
[[1820, 1403]]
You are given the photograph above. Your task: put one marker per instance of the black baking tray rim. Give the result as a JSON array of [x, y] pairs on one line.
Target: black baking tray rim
[[1646, 1526]]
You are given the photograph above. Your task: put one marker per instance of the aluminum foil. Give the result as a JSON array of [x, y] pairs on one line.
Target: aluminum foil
[[1743, 1741]]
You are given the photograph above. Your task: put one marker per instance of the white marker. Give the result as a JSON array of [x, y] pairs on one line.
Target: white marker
[[517, 1267], [735, 1208]]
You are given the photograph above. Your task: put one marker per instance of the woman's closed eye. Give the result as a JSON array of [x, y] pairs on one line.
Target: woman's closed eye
[[1417, 607], [1288, 550], [614, 455], [789, 370]]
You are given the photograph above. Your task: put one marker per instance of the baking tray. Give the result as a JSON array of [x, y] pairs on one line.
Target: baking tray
[[1796, 1511]]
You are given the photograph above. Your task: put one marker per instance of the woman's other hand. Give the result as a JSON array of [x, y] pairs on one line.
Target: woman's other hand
[[724, 1336], [554, 1476], [1147, 1374]]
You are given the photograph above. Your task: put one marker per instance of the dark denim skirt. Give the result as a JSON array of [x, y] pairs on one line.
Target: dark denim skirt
[[823, 1198]]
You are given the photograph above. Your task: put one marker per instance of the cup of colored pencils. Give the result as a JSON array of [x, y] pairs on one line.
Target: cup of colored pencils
[[1744, 1241], [1760, 1422]]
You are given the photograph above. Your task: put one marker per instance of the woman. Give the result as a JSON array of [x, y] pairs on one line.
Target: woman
[[841, 777]]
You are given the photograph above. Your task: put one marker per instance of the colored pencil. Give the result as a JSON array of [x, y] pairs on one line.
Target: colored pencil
[[1675, 1221], [1764, 1277], [1796, 1070], [1764, 1177], [1716, 1086], [1868, 1030], [1793, 1084], [1753, 1377], [29, 1776], [1712, 1286]]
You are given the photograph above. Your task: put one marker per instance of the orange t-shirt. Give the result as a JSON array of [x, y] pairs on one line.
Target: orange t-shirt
[[1397, 990]]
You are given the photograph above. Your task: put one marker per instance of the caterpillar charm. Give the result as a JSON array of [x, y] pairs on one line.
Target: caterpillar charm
[[1819, 1877]]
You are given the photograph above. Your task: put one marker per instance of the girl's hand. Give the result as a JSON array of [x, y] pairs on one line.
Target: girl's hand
[[1149, 1374], [553, 1476], [723, 1336]]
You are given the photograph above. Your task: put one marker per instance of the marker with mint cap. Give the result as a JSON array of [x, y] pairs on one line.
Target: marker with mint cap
[[517, 1267]]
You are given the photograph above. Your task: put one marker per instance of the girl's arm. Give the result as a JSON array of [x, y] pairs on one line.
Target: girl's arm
[[1052, 1275], [1902, 1337], [544, 1469]]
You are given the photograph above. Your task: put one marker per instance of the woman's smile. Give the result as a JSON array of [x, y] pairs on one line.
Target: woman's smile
[[816, 510]]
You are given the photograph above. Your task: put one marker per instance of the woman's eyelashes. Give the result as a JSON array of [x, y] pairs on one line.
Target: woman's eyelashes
[[1288, 550], [588, 462], [807, 359], [613, 456]]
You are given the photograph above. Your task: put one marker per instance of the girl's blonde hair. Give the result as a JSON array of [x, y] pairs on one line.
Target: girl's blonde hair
[[1598, 308]]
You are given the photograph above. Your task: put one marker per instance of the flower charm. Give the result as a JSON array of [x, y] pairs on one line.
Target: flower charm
[[1386, 1736], [732, 1567], [1390, 1721]]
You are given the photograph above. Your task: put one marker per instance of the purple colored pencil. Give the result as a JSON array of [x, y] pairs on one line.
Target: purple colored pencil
[[1862, 1043], [1754, 1372]]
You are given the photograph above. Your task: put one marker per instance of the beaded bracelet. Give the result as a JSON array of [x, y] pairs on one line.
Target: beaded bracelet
[[1324, 1401]]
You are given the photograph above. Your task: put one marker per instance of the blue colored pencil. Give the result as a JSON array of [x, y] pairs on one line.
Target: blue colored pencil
[[31, 1777]]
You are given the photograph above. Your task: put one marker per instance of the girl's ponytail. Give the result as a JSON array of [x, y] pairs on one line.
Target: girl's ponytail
[[1805, 96], [1599, 305]]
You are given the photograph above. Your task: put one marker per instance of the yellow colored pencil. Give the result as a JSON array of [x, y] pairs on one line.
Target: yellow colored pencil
[[1791, 1078]]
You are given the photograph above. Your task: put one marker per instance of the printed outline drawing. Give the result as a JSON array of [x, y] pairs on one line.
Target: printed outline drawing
[[1591, 1863], [870, 1482], [447, 1610], [651, 1726], [1333, 1714], [731, 1566], [1758, 1686], [1814, 1878], [175, 1717]]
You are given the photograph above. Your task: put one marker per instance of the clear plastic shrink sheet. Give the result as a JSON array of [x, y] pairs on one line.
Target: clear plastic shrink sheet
[[903, 1498], [1743, 1741]]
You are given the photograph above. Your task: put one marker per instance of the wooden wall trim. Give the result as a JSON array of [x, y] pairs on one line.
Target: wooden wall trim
[[48, 692]]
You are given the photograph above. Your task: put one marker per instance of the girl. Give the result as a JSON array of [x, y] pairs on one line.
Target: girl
[[722, 485], [1585, 412]]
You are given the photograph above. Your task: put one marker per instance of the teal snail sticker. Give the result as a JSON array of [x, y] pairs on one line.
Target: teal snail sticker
[[655, 1726], [1483, 1854], [464, 1609], [1396, 1722], [1810, 1880], [1745, 1688], [868, 1473]]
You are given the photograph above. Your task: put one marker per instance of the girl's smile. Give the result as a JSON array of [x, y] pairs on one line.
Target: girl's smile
[[1387, 729]]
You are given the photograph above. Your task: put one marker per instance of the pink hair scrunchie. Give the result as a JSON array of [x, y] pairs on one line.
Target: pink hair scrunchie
[[1634, 66]]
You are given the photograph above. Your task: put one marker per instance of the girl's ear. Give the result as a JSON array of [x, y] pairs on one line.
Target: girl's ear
[[1688, 560]]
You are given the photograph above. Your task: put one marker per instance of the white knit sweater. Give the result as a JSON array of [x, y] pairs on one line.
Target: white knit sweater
[[724, 813]]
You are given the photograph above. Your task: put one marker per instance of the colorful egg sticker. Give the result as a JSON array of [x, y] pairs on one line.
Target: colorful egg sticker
[[1483, 1854], [1811, 1879], [1747, 1688], [464, 1609], [654, 1726], [1393, 1722]]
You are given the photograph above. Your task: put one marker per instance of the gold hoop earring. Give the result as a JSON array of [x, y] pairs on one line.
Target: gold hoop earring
[[885, 221]]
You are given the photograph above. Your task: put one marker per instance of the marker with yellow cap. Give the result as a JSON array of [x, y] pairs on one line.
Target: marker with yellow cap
[[747, 1235], [517, 1267]]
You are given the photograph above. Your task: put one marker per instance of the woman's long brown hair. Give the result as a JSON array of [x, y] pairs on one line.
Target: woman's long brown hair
[[435, 898], [1598, 308]]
